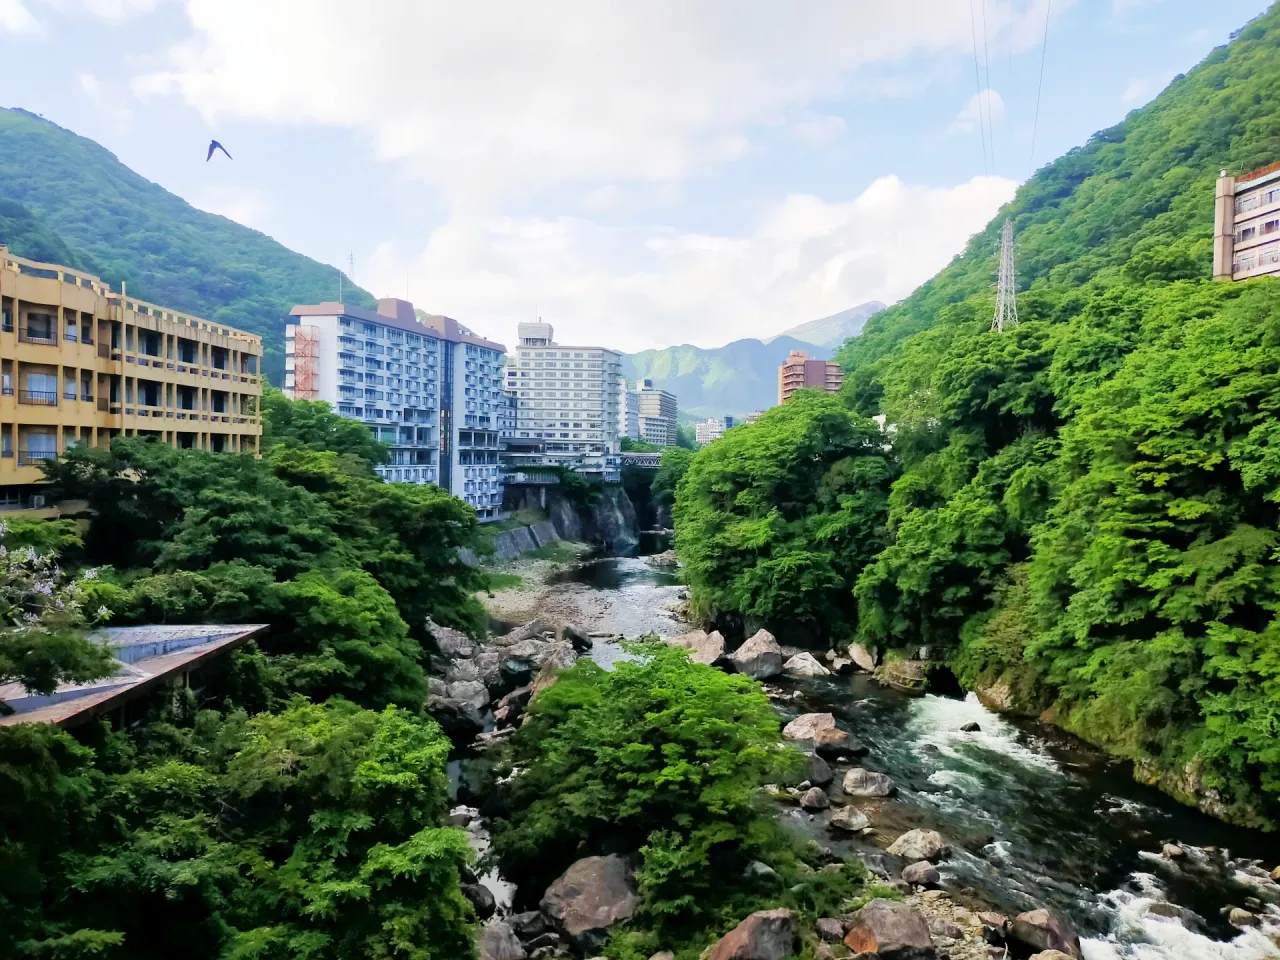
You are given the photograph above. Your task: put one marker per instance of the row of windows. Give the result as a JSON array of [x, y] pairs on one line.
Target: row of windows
[[1264, 256], [1248, 233], [1260, 199], [567, 354]]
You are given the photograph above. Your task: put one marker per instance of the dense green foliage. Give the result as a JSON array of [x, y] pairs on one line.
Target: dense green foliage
[[123, 227], [313, 425], [294, 806], [1084, 512], [662, 756]]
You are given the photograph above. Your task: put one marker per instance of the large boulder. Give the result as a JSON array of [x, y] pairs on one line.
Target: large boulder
[[1045, 930], [577, 637], [510, 707], [921, 873], [1051, 955], [526, 631], [760, 657], [804, 665], [460, 720], [589, 898], [704, 648], [921, 845], [860, 782], [807, 725], [481, 898], [819, 772], [452, 643], [815, 798], [497, 942], [470, 691], [864, 658], [835, 744], [849, 820], [765, 935], [891, 931], [458, 670]]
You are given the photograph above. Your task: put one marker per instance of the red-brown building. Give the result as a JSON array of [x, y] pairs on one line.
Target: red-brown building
[[801, 373]]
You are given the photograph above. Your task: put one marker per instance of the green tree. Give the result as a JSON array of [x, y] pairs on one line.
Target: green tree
[[314, 426]]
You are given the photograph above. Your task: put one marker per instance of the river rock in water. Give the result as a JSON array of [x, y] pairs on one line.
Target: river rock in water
[[891, 931], [921, 873], [921, 845], [577, 637], [815, 798], [835, 744], [765, 935], [864, 658], [849, 819], [1044, 930], [819, 772], [705, 648], [804, 665], [760, 657], [590, 897], [807, 725], [860, 782]]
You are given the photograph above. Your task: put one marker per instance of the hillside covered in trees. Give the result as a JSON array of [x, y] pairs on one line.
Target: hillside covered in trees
[[67, 198], [1080, 515]]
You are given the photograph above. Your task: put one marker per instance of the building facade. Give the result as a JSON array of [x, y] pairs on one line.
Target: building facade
[[430, 389], [799, 372], [628, 411], [566, 404], [711, 429], [657, 415], [80, 363], [1246, 234]]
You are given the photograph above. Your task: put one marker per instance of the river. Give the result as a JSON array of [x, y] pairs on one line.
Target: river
[[1038, 819]]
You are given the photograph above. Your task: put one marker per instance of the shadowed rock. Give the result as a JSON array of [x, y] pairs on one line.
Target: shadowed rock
[[760, 657], [765, 935], [891, 931], [1045, 930], [589, 898], [497, 942]]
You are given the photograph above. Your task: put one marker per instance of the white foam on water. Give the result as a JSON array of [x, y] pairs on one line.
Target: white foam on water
[[1137, 935], [937, 721], [963, 782], [1123, 806]]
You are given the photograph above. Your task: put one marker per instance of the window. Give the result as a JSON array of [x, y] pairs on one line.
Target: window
[[1245, 233]]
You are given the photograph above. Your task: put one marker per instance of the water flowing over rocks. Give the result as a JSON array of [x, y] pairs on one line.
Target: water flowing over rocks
[[765, 935], [760, 657]]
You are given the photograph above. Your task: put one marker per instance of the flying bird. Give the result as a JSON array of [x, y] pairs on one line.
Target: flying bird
[[215, 145]]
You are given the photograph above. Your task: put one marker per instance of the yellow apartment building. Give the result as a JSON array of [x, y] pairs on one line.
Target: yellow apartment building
[[82, 364]]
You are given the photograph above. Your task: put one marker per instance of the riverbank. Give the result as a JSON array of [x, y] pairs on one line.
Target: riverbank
[[522, 601]]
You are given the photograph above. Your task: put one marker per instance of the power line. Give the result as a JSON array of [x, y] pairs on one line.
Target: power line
[[977, 79], [1044, 45], [986, 61]]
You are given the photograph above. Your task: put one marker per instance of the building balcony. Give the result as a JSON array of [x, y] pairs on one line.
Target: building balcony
[[43, 337], [39, 398], [33, 458]]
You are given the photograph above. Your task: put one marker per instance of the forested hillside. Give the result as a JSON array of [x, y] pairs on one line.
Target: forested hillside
[[1078, 515], [63, 191]]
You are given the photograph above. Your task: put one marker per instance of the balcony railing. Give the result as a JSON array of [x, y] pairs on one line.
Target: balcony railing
[[31, 458], [39, 398], [46, 338]]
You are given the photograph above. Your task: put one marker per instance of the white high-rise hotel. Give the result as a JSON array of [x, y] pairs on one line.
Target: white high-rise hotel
[[430, 389], [566, 403]]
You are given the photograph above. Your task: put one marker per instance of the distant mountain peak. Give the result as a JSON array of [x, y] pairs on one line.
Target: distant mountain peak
[[830, 332]]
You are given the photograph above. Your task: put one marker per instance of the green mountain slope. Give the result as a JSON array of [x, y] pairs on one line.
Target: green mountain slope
[[1082, 514], [126, 228], [830, 332], [735, 379]]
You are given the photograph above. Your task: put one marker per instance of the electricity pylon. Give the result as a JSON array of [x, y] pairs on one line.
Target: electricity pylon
[[1006, 289]]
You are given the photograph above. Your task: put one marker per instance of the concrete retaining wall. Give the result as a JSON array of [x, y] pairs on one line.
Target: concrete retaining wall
[[510, 544]]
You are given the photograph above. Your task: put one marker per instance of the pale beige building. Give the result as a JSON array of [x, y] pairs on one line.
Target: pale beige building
[[1246, 234]]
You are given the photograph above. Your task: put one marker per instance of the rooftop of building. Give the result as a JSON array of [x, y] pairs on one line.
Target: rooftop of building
[[400, 314], [146, 657]]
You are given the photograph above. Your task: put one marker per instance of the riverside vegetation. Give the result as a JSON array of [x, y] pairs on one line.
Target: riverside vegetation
[[1079, 514]]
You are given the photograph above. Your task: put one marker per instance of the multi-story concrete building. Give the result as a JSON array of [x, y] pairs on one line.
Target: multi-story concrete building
[[657, 415], [430, 389], [799, 372], [705, 431], [567, 404], [628, 411], [753, 416], [80, 363], [1246, 234]]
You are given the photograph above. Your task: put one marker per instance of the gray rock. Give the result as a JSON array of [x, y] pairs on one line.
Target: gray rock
[[819, 771], [757, 868], [842, 666], [589, 898], [860, 782], [760, 657], [815, 798], [1052, 955], [533, 628], [457, 718], [807, 725], [704, 648], [481, 899], [939, 927], [922, 873], [864, 658], [452, 643], [849, 820], [891, 931], [470, 691], [462, 815], [548, 939], [529, 924], [488, 663], [1173, 852], [804, 665], [765, 935], [1045, 930], [830, 929], [577, 637], [1240, 918], [971, 727], [836, 744], [461, 670], [497, 942], [510, 707], [921, 845], [437, 687], [1188, 918]]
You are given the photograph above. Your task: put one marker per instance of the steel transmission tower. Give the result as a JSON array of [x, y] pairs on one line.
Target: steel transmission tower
[[1006, 290]]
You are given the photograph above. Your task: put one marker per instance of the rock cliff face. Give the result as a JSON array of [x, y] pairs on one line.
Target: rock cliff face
[[609, 521]]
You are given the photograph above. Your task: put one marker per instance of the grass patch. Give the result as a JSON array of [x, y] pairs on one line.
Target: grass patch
[[505, 581], [557, 552]]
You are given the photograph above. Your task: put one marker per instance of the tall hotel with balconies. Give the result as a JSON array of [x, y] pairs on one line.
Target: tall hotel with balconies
[[1246, 234], [430, 389], [80, 363]]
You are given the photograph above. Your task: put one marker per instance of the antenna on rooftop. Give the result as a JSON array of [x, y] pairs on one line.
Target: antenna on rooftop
[[1006, 287], [351, 268]]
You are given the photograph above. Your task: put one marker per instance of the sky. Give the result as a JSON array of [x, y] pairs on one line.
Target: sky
[[639, 173]]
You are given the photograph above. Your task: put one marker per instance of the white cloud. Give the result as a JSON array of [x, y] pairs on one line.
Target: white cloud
[[111, 107], [983, 108], [245, 205], [487, 100], [639, 287], [117, 11], [818, 131], [15, 18]]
